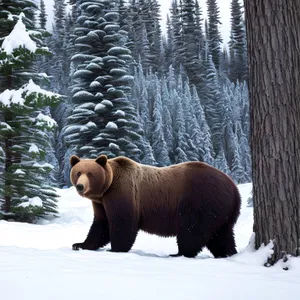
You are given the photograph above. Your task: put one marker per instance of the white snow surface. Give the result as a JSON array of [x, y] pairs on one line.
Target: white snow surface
[[37, 262], [18, 37]]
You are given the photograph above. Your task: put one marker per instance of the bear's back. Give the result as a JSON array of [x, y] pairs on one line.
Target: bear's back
[[159, 191]]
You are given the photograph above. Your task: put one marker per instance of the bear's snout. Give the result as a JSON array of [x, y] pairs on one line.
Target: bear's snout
[[80, 187]]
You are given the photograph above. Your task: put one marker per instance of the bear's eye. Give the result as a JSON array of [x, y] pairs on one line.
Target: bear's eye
[[78, 174]]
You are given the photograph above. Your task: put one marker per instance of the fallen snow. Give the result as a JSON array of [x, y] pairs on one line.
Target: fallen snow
[[9, 97], [120, 113], [34, 148], [18, 37], [44, 165], [31, 87], [42, 119], [19, 172], [113, 146], [111, 125], [36, 262], [35, 201]]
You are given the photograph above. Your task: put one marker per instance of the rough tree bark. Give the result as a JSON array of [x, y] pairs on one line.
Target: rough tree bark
[[273, 41]]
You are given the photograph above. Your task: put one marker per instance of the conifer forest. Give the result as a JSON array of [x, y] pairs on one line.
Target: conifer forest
[[107, 80]]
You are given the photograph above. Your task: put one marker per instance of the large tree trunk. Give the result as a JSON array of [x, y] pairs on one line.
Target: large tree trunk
[[273, 36]]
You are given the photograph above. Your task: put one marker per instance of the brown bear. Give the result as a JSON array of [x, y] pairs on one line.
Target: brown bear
[[193, 201]]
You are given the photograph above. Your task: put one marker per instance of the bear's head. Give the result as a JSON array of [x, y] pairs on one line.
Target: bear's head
[[91, 177]]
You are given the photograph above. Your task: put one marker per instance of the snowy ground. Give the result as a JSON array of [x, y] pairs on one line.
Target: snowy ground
[[36, 262]]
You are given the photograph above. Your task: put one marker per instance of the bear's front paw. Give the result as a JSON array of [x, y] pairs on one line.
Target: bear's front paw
[[85, 246], [78, 246]]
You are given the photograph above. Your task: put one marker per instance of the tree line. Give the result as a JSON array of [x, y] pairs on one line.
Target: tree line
[[128, 89]]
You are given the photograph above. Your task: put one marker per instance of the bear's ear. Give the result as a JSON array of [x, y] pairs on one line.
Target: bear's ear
[[101, 160], [74, 159]]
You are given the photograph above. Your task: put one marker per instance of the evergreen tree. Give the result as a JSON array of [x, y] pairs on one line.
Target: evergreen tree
[[158, 142], [237, 170], [206, 149], [246, 157], [180, 137], [193, 131], [10, 11], [214, 36], [60, 45], [221, 163], [213, 104], [237, 43], [230, 119], [24, 194], [103, 120], [199, 36], [168, 46], [60, 61], [154, 34], [43, 15], [139, 98], [167, 119], [193, 40], [145, 33], [178, 45]]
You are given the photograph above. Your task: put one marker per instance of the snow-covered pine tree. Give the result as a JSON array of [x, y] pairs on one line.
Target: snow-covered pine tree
[[144, 50], [221, 163], [214, 36], [213, 104], [59, 69], [243, 130], [139, 98], [178, 44], [168, 46], [224, 66], [193, 132], [199, 35], [43, 15], [206, 148], [154, 34], [237, 43], [145, 33], [41, 66], [180, 132], [10, 9], [237, 170], [236, 147], [193, 41], [167, 118], [23, 129], [59, 63], [103, 120], [158, 142], [230, 118]]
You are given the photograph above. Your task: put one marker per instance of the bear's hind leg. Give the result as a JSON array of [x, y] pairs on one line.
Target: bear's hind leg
[[123, 234], [222, 244], [192, 235]]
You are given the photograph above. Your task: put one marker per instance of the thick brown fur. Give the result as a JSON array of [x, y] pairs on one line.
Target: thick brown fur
[[193, 201]]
